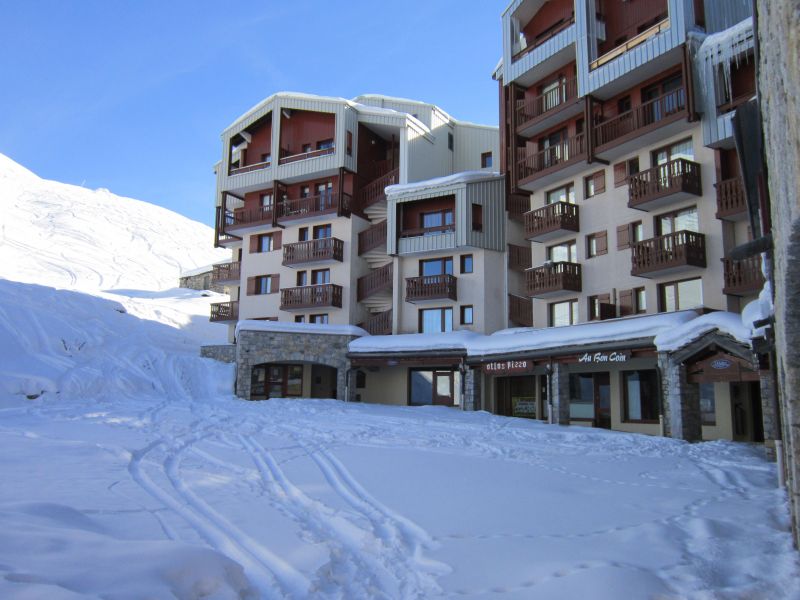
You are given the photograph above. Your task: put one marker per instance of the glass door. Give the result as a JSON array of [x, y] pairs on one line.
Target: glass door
[[443, 387], [602, 400]]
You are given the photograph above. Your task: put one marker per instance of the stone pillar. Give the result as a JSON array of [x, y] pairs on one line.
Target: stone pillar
[[768, 412], [472, 390], [352, 392], [244, 368], [559, 394], [682, 419]]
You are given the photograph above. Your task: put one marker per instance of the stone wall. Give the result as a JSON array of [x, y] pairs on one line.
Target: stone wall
[[682, 417], [472, 390], [200, 281], [559, 388], [779, 90], [222, 352], [257, 347]]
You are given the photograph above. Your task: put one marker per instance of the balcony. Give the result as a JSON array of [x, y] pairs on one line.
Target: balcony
[[668, 254], [374, 191], [311, 296], [619, 134], [517, 205], [247, 217], [224, 311], [226, 272], [553, 279], [519, 257], [379, 324], [431, 287], [673, 181], [520, 310], [249, 168], [313, 251], [379, 280], [537, 113], [372, 238], [287, 158], [312, 206], [742, 277], [731, 200], [551, 221], [548, 164]]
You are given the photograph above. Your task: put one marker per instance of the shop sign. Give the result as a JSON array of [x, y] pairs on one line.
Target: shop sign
[[502, 367], [721, 364], [604, 357]]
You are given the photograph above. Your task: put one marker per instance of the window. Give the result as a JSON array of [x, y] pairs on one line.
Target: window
[[436, 266], [623, 105], [600, 307], [435, 320], [305, 191], [262, 284], [680, 295], [306, 148], [349, 143], [322, 231], [265, 200], [319, 319], [302, 234], [325, 144], [632, 302], [477, 217], [302, 278], [596, 244], [437, 222], [299, 318], [265, 242], [449, 141], [266, 157], [552, 94], [639, 301], [439, 386], [486, 160], [708, 404], [679, 220], [563, 313], [566, 252], [641, 397], [682, 149], [466, 263], [324, 193], [629, 234], [320, 276], [594, 184], [466, 315], [581, 396], [562, 194], [624, 169], [361, 379]]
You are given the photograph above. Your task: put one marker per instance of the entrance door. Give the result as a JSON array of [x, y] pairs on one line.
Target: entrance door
[[602, 400], [443, 387]]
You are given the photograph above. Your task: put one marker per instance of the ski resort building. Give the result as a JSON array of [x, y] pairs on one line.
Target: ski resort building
[[589, 282]]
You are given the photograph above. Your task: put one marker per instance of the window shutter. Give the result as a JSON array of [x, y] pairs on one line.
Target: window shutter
[[251, 286], [602, 242], [253, 244], [276, 284], [277, 238], [599, 182], [620, 174], [625, 302], [623, 237]]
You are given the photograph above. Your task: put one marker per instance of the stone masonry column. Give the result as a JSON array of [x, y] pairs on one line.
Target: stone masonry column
[[352, 380], [472, 390], [768, 412], [681, 401], [559, 394]]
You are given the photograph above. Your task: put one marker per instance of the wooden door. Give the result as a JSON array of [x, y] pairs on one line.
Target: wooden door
[[443, 387]]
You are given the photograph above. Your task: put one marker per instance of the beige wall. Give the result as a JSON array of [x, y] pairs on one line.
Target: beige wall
[[388, 385]]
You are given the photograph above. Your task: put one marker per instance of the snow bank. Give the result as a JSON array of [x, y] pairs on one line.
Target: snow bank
[[284, 327], [437, 182], [758, 310], [724, 322]]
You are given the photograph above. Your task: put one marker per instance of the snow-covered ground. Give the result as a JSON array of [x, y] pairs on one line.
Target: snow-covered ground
[[129, 471]]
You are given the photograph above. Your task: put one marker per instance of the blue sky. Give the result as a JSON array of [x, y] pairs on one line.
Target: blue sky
[[132, 96]]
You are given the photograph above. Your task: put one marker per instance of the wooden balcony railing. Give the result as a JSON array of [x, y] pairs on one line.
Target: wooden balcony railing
[[679, 176], [289, 158], [250, 216], [371, 238], [553, 157], [379, 324], [553, 278], [311, 205], [731, 200], [742, 277], [224, 311], [313, 251], [248, 168], [638, 120], [551, 219], [311, 296], [520, 310], [519, 257], [535, 107], [668, 252], [226, 272], [378, 280], [431, 287], [373, 192]]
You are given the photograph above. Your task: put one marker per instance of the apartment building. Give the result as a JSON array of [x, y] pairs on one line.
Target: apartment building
[[620, 162], [301, 204]]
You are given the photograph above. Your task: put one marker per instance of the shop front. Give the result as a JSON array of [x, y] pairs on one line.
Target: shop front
[[515, 389]]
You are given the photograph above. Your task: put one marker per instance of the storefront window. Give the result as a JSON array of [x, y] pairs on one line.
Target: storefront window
[[435, 387], [294, 380], [581, 396], [641, 395], [708, 404]]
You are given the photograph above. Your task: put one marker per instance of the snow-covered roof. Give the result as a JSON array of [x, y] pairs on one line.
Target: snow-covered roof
[[436, 182], [497, 74], [414, 342], [197, 271], [725, 322], [284, 327]]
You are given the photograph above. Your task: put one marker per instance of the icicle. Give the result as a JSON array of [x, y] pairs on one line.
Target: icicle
[[724, 51]]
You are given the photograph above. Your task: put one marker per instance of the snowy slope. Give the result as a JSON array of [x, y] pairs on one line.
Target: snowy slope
[[70, 237]]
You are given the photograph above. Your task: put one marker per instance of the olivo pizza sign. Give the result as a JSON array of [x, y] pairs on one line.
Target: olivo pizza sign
[[504, 367]]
